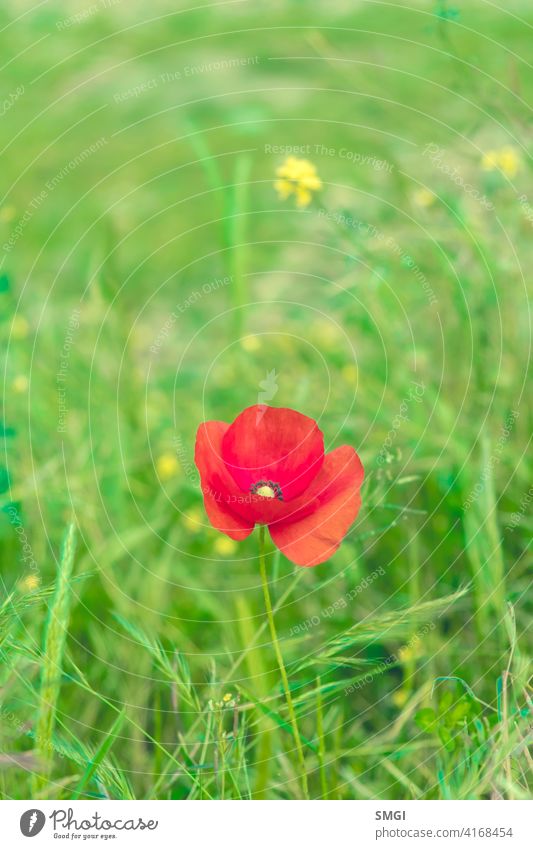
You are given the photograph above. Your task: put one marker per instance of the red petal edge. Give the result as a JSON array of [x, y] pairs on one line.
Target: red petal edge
[[314, 538], [216, 481]]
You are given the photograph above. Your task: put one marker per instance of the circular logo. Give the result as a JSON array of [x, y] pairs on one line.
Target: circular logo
[[32, 822]]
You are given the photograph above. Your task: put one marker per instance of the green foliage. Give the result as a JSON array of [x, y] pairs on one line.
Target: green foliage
[[157, 281], [479, 746], [54, 646]]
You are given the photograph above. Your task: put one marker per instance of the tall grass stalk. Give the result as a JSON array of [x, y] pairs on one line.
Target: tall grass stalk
[[321, 741], [279, 658], [237, 204], [483, 547], [259, 674], [54, 645]]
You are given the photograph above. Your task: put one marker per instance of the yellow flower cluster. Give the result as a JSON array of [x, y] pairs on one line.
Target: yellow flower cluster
[[297, 177], [505, 159]]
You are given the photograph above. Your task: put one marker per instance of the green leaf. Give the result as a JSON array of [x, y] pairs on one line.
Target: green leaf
[[426, 719], [447, 739]]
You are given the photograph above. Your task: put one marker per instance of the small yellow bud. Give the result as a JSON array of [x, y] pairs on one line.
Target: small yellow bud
[[424, 198], [29, 583], [193, 519], [20, 384], [167, 466], [250, 343], [405, 654], [399, 698], [509, 161], [225, 546], [19, 327], [349, 373], [7, 213]]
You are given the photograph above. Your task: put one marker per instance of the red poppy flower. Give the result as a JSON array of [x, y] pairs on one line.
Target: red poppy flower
[[269, 468]]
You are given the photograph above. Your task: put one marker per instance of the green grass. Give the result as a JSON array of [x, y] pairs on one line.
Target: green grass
[[52, 656], [156, 280]]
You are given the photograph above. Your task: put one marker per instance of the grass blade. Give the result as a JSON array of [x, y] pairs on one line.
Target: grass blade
[[54, 645], [99, 756]]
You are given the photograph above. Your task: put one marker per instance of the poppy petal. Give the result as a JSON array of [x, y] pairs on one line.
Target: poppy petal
[[218, 486], [273, 444], [313, 538]]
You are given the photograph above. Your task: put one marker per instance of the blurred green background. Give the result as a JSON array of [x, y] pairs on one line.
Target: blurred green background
[[151, 278]]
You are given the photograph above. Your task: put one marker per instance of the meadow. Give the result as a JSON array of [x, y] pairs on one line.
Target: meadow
[[155, 274]]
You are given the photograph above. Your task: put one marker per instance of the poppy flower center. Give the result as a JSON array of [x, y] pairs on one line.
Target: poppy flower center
[[267, 489]]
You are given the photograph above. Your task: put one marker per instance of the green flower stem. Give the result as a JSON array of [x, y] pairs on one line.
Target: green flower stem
[[279, 658]]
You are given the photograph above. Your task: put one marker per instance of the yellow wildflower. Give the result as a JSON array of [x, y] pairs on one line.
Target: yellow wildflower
[[193, 520], [423, 197], [411, 650], [505, 159], [167, 466], [327, 334], [509, 161], [29, 583], [298, 177], [227, 697], [19, 327], [20, 384], [399, 698], [225, 546], [349, 373], [7, 213], [250, 343]]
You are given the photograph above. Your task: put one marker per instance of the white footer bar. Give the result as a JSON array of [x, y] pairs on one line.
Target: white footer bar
[[269, 824]]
